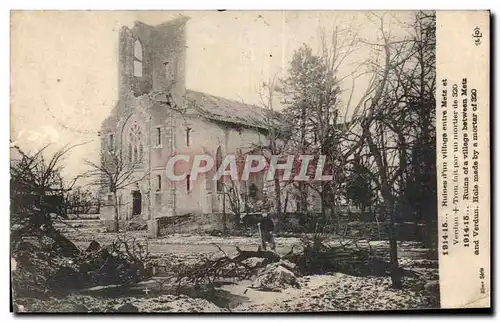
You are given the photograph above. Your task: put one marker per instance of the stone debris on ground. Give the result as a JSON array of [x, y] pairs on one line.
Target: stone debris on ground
[[83, 304], [276, 277], [275, 287], [337, 292]]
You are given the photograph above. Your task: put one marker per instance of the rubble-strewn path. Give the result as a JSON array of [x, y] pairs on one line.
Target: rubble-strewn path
[[275, 288], [336, 292]]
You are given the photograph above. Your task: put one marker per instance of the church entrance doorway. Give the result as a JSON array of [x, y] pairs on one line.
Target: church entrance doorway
[[136, 203]]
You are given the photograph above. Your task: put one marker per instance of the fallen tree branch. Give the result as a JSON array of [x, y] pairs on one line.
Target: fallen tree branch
[[209, 269], [246, 254]]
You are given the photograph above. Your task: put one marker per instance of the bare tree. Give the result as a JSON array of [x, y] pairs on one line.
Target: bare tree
[[80, 201], [387, 133], [278, 135], [37, 190], [116, 171], [235, 195], [418, 184]]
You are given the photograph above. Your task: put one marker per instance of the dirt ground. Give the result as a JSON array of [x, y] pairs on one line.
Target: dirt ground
[[333, 292]]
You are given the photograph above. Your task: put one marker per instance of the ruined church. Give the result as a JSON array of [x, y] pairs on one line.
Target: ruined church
[[156, 116]]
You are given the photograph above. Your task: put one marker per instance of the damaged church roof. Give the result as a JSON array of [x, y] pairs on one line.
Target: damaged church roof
[[227, 110]]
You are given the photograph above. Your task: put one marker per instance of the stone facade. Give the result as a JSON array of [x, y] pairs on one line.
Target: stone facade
[[155, 116]]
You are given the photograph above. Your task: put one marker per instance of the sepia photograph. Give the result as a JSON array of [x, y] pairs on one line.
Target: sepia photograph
[[228, 161]]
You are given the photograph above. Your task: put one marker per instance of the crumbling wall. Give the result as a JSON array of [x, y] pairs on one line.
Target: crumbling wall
[[144, 99], [163, 58]]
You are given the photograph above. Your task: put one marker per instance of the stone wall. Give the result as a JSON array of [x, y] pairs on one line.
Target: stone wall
[[163, 58], [205, 138], [157, 102], [148, 100], [194, 223]]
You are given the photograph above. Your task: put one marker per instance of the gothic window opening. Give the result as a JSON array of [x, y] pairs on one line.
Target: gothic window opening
[[158, 136], [135, 143], [158, 182], [188, 183], [138, 59]]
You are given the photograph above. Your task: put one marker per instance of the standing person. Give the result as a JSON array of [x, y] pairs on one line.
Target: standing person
[[266, 227]]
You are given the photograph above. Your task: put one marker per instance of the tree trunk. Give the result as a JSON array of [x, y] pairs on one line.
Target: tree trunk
[[277, 198], [286, 203], [393, 245], [323, 202], [224, 216], [303, 197], [378, 227], [98, 207], [388, 202], [245, 254], [116, 221]]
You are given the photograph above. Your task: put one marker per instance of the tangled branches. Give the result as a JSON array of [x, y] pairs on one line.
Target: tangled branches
[[131, 249], [209, 269]]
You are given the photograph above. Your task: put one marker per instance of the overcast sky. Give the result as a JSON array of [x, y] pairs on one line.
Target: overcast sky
[[64, 64]]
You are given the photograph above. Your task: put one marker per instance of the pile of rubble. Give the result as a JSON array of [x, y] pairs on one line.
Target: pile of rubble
[[46, 271], [276, 277]]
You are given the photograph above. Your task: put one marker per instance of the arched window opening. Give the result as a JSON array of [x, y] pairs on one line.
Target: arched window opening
[[158, 182], [158, 136], [138, 53], [141, 152], [138, 50], [135, 143]]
